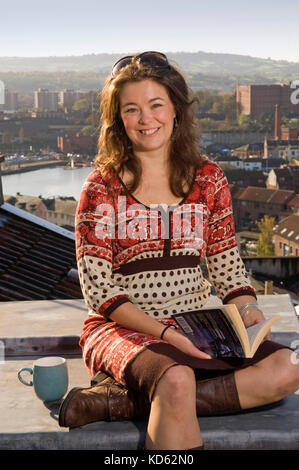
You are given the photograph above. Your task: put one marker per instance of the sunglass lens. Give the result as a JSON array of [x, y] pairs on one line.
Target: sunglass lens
[[154, 59], [121, 63]]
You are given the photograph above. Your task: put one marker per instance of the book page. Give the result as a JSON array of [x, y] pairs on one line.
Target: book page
[[256, 333], [232, 311]]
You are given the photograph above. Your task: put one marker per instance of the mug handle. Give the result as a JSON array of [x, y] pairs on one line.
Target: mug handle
[[21, 378]]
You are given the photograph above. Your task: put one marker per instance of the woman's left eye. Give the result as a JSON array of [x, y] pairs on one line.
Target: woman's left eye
[[157, 105]]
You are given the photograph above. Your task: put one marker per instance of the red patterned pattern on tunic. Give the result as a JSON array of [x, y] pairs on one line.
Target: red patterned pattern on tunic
[[160, 274]]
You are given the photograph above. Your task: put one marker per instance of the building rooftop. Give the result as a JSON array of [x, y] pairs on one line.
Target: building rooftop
[[273, 196], [36, 258], [288, 228]]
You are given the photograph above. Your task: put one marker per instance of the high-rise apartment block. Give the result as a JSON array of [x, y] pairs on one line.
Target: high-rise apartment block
[[256, 99], [10, 101], [68, 98], [45, 100]]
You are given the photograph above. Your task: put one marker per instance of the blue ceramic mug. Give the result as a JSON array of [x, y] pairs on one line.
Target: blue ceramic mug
[[50, 378]]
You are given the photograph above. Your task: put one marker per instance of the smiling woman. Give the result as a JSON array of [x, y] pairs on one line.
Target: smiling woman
[[134, 284]]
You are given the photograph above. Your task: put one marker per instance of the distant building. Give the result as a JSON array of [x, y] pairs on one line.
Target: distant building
[[257, 99], [294, 204], [286, 149], [244, 164], [244, 178], [245, 151], [11, 102], [283, 178], [287, 133], [59, 211], [286, 236], [45, 100], [85, 144], [253, 203], [32, 204], [68, 98]]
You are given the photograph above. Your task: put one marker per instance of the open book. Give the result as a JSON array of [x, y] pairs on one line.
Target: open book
[[220, 331]]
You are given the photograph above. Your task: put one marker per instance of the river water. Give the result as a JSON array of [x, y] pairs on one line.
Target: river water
[[47, 182]]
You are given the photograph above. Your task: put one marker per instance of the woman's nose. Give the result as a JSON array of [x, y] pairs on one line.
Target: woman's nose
[[144, 117]]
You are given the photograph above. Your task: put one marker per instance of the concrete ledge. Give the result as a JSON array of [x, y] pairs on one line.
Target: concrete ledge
[[267, 428]]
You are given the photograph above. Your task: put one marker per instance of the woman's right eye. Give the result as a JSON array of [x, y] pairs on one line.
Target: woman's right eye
[[130, 110]]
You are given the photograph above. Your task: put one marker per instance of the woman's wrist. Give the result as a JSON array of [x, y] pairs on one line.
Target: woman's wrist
[[166, 329], [245, 309]]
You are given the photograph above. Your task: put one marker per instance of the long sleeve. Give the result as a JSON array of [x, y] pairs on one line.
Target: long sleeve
[[94, 235], [226, 268]]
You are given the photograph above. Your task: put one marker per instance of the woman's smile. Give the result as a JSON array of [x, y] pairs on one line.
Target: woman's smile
[[149, 132]]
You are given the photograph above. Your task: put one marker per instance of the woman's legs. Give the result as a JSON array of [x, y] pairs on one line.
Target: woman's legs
[[173, 422], [269, 380]]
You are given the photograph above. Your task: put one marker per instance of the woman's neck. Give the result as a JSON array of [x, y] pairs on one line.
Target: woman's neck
[[153, 163]]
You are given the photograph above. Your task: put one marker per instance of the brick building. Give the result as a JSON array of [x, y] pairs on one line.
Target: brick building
[[253, 203], [287, 133], [84, 144], [286, 236], [294, 204], [257, 99]]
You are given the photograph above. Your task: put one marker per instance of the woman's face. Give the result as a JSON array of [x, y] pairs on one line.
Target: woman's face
[[147, 114]]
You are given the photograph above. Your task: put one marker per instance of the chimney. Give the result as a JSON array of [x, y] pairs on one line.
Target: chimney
[[277, 130], [266, 146], [1, 189]]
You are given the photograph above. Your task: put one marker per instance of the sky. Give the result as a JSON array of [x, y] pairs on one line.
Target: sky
[[258, 28]]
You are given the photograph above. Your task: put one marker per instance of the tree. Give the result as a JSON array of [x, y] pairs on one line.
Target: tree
[[265, 246]]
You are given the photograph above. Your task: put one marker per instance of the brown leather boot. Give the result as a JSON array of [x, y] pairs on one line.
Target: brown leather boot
[[217, 396], [107, 401]]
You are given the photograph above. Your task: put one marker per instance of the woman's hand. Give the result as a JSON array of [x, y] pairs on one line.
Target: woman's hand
[[253, 318], [184, 344]]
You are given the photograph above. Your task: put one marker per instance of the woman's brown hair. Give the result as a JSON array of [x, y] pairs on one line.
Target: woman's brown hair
[[114, 147]]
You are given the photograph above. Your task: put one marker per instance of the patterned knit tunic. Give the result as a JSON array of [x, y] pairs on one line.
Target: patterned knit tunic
[[150, 256]]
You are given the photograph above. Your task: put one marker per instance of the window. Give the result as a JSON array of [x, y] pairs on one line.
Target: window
[[285, 250]]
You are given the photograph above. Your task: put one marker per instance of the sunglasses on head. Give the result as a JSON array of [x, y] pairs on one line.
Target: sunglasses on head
[[151, 58]]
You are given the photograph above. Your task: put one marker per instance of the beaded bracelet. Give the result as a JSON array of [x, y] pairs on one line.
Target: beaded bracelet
[[166, 327]]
